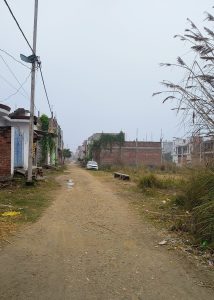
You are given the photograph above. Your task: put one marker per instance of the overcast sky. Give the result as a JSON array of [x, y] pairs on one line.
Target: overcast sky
[[100, 60]]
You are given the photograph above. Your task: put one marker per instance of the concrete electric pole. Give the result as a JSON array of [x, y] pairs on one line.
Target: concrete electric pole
[[33, 76]]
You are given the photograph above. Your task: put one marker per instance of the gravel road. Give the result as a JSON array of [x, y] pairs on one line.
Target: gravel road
[[90, 244]]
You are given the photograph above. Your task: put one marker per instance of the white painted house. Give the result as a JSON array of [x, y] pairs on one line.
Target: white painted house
[[18, 122], [182, 150]]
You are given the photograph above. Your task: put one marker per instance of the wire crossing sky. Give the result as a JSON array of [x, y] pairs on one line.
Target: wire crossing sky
[[28, 43], [101, 60]]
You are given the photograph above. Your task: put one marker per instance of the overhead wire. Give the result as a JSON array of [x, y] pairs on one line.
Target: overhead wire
[[44, 85], [10, 84], [11, 56], [14, 75], [39, 63], [17, 90], [17, 23], [20, 84]]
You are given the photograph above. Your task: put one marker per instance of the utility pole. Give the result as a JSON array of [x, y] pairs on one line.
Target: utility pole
[[33, 76]]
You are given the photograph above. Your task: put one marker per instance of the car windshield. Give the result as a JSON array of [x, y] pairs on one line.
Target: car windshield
[[92, 162]]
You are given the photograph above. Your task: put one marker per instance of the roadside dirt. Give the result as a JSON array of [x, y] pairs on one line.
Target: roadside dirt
[[91, 244]]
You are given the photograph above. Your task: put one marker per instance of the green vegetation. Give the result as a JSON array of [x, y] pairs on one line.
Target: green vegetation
[[149, 181], [198, 197], [67, 153], [193, 192], [106, 141], [180, 199], [160, 181], [47, 141], [26, 203]]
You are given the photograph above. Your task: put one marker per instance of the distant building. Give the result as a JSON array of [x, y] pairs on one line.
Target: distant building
[[81, 151], [136, 153], [53, 155], [193, 151], [128, 153], [182, 151], [167, 151]]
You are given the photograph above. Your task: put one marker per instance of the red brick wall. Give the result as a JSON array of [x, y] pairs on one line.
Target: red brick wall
[[145, 153], [5, 153]]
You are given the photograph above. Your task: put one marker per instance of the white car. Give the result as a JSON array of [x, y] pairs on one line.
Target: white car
[[92, 165]]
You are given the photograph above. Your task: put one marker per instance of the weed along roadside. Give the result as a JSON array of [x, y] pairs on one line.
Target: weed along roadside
[[180, 202], [21, 204]]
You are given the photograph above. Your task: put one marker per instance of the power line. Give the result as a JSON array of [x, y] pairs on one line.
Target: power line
[[13, 74], [43, 82], [17, 23], [17, 90], [11, 56], [39, 63], [10, 84]]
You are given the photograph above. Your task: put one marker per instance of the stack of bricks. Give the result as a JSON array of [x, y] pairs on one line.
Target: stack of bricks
[[5, 153]]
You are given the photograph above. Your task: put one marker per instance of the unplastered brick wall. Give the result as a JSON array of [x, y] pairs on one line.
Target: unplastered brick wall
[[5, 153], [132, 153]]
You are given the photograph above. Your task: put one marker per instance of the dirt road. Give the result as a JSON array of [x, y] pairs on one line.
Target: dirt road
[[90, 244]]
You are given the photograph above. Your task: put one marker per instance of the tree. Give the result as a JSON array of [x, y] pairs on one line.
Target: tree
[[105, 141], [194, 96], [67, 153]]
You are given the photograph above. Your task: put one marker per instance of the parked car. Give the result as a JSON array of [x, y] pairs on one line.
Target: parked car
[[92, 165]]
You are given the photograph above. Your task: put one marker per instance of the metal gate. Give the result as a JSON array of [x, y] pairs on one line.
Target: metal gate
[[18, 149]]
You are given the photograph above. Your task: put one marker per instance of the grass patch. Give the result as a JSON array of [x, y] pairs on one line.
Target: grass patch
[[181, 201], [203, 221], [151, 181], [199, 189], [30, 202], [198, 197]]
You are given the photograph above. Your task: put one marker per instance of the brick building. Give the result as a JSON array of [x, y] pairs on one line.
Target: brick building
[[14, 136], [112, 149], [5, 153], [131, 154], [6, 141]]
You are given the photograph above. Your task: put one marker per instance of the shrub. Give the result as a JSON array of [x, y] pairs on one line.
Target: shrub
[[149, 181], [163, 168], [198, 189], [203, 220], [198, 197], [180, 200]]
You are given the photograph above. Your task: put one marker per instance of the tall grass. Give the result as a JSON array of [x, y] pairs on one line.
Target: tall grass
[[149, 181], [199, 189], [198, 197], [152, 180], [203, 220]]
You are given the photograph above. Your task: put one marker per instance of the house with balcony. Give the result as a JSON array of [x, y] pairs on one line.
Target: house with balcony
[[182, 151], [193, 151]]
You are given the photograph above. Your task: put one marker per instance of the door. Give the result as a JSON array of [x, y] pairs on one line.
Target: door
[[18, 149]]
